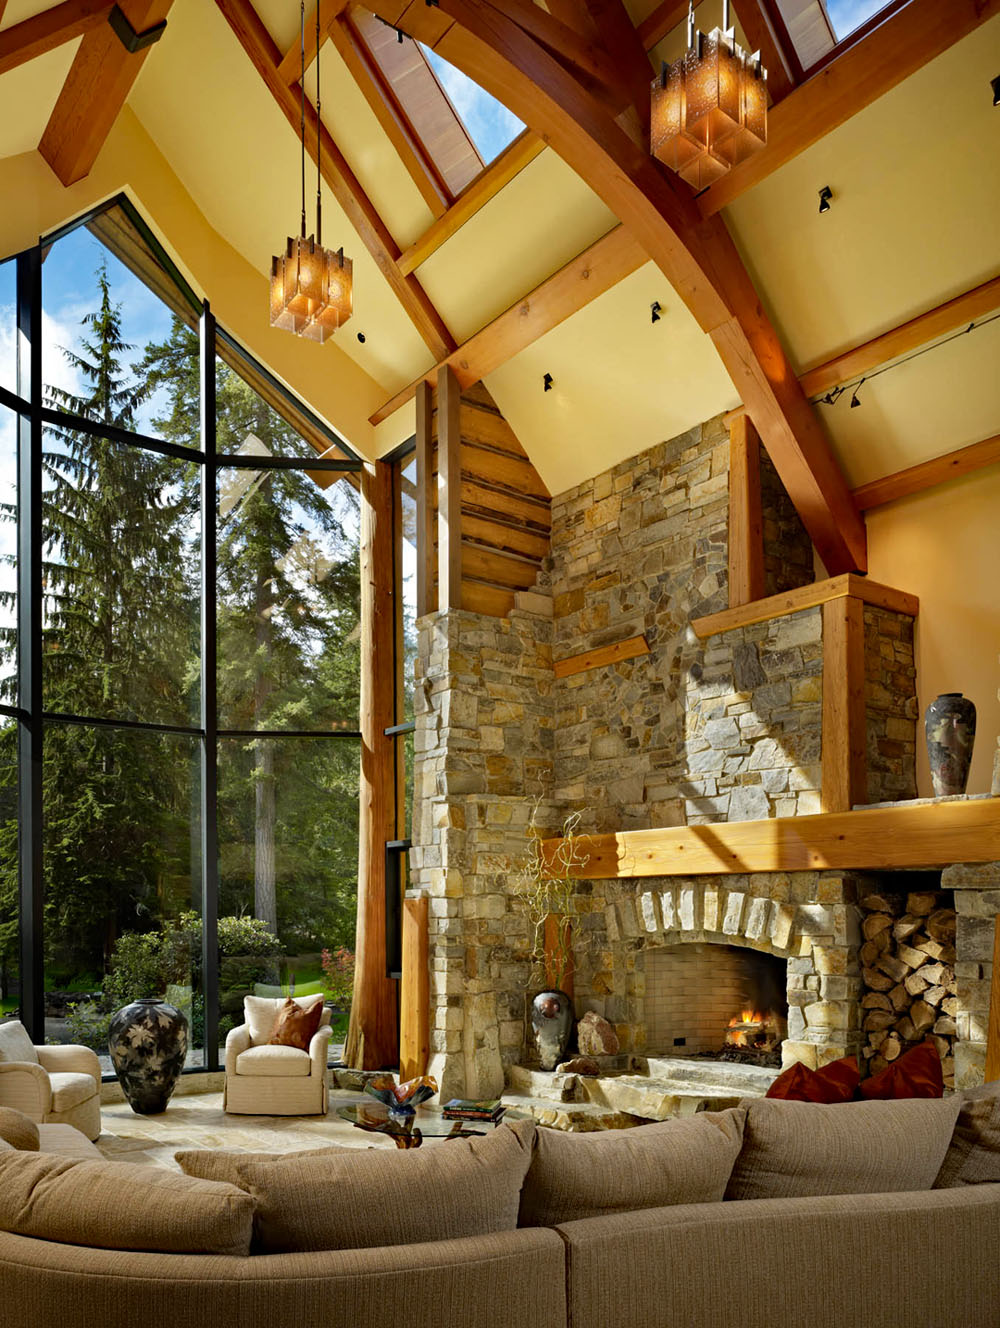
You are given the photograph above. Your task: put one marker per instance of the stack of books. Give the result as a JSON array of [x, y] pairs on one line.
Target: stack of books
[[461, 1108]]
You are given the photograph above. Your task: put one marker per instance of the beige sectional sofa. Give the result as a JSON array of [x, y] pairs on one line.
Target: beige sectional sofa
[[920, 1257]]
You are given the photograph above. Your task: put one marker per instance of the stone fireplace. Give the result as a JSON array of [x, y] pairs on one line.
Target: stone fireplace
[[687, 733]]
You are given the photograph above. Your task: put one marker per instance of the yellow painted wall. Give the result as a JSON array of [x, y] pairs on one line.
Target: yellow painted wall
[[34, 203], [944, 545]]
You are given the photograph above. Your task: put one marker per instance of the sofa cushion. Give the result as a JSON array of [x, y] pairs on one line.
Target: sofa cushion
[[616, 1171], [220, 1163], [121, 1206], [836, 1082], [69, 1090], [973, 1157], [296, 1024], [917, 1073], [261, 1014], [793, 1149], [15, 1045], [18, 1130], [362, 1198], [280, 1062]]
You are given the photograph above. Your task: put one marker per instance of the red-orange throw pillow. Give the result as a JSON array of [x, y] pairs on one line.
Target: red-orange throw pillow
[[917, 1073], [294, 1026], [836, 1082]]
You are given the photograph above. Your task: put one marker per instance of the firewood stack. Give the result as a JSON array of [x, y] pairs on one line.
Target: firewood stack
[[908, 977]]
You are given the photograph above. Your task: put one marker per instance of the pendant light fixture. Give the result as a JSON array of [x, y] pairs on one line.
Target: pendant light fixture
[[709, 108], [312, 288]]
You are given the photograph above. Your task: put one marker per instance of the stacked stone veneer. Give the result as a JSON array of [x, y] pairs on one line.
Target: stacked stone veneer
[[890, 705], [977, 902], [695, 731]]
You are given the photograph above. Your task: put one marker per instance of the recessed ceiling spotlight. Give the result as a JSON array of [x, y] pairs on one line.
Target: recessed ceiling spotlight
[[547, 383], [825, 195]]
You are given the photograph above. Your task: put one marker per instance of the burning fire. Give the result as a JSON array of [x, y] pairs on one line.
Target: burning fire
[[748, 1017], [758, 1030]]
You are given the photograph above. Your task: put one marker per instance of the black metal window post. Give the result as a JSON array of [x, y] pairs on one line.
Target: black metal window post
[[31, 878], [209, 707]]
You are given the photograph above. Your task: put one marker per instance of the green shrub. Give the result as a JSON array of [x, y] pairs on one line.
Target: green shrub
[[88, 1024]]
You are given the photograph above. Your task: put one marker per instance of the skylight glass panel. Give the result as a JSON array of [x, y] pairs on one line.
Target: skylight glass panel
[[846, 16], [489, 124]]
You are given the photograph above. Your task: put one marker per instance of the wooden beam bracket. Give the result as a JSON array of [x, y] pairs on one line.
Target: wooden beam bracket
[[134, 41]]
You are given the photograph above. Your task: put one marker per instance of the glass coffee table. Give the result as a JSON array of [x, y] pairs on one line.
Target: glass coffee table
[[410, 1131]]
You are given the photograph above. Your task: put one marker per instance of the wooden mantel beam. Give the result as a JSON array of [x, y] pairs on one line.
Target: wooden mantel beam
[[343, 183], [97, 85], [889, 838], [53, 27], [697, 256]]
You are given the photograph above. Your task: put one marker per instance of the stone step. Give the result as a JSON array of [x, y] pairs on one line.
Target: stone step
[[574, 1117], [655, 1099], [541, 1083], [720, 1076]]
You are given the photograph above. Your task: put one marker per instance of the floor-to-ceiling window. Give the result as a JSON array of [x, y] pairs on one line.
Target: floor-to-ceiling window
[[179, 624]]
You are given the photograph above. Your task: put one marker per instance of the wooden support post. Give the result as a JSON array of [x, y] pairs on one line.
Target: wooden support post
[[844, 770], [449, 517], [426, 560], [372, 1037], [746, 523], [559, 953], [414, 1004]]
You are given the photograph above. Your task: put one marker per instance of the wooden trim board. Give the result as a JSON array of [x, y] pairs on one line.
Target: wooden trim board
[[595, 659], [928, 474], [807, 597], [414, 992], [844, 761], [922, 835], [746, 522]]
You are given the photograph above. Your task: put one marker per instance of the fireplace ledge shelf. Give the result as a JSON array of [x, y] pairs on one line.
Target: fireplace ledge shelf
[[919, 834]]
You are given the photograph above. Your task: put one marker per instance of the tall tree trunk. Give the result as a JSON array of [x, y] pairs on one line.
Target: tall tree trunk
[[265, 905]]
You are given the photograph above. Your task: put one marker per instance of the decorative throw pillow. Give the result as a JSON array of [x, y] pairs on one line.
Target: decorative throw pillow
[[917, 1073], [973, 1158], [793, 1149], [15, 1045], [616, 1171], [359, 1198], [115, 1206], [295, 1025], [836, 1082], [18, 1130], [260, 1014]]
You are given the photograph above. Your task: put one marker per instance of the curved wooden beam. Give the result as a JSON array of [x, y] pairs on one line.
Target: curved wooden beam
[[696, 254]]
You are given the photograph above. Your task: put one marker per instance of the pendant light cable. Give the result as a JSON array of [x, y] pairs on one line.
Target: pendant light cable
[[319, 197], [302, 105]]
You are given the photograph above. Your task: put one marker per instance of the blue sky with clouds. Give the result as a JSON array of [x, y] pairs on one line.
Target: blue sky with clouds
[[491, 126], [846, 15]]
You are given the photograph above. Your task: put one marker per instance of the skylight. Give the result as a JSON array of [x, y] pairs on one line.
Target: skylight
[[846, 16], [490, 125]]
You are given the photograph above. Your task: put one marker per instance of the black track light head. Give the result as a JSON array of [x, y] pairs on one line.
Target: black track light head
[[995, 85], [655, 309], [825, 195], [547, 383], [855, 399]]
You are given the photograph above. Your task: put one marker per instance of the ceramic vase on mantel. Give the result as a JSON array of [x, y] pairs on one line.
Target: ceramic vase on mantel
[[552, 1025], [148, 1042], [950, 726]]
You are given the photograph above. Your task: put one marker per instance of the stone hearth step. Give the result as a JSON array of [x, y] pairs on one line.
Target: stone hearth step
[[724, 1076], [574, 1117], [655, 1099]]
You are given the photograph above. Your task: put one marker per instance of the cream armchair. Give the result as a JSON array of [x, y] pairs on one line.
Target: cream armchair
[[58, 1085], [265, 1080]]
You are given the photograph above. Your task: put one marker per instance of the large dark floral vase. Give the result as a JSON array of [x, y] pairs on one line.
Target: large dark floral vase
[[148, 1041], [552, 1025]]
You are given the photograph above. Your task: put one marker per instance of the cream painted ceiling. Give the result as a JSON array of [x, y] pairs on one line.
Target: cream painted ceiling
[[917, 193]]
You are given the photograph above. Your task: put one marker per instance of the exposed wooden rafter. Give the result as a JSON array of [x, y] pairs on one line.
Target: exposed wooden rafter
[[904, 43], [473, 198], [372, 83], [928, 474], [664, 18], [622, 43], [599, 268], [290, 66], [53, 27], [99, 80], [760, 37], [343, 183], [699, 258], [936, 322]]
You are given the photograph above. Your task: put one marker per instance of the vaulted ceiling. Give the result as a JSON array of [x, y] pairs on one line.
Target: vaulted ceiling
[[900, 126]]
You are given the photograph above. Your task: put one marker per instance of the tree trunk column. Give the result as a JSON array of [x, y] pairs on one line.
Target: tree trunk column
[[372, 1039]]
